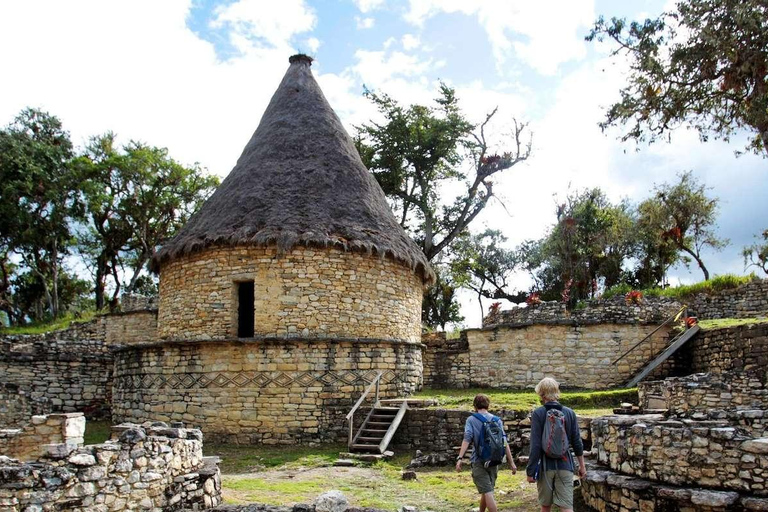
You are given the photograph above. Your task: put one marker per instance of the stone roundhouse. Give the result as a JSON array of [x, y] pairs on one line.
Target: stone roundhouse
[[286, 294]]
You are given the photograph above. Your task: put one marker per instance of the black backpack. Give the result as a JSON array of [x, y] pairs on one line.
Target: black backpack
[[491, 441]]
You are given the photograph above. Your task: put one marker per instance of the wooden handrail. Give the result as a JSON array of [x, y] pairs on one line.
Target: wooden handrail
[[350, 416], [668, 320]]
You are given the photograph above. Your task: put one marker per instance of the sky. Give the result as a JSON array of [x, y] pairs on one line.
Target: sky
[[196, 75]]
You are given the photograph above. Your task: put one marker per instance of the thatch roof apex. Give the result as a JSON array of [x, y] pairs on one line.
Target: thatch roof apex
[[299, 181]]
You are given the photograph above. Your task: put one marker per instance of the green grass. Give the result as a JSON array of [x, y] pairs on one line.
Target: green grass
[[248, 458], [96, 432], [378, 486], [586, 403], [714, 285], [56, 325], [730, 322]]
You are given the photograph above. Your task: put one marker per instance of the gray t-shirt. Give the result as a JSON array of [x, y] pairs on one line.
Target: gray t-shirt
[[473, 432]]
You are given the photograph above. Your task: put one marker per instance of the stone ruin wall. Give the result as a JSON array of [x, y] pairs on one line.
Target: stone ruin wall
[[141, 468], [68, 370], [747, 301], [267, 391], [63, 371], [580, 356], [446, 362], [29, 442], [683, 453], [730, 349], [308, 293]]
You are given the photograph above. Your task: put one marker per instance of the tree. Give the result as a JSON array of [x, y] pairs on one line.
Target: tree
[[481, 263], [684, 216], [704, 64], [420, 149], [439, 306], [38, 198], [655, 252], [136, 198], [585, 249], [420, 152], [756, 255]]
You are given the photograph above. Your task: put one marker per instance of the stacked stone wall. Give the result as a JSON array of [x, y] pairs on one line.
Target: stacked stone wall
[[446, 362], [651, 310], [685, 453], [62, 371], [262, 391], [16, 407], [29, 442], [747, 301], [704, 392], [307, 293], [440, 431], [131, 327], [580, 356], [152, 468], [732, 349]]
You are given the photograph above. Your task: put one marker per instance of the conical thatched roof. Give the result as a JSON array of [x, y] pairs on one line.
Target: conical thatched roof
[[299, 180]]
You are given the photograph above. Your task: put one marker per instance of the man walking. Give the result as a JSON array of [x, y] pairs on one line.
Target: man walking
[[484, 472], [554, 430]]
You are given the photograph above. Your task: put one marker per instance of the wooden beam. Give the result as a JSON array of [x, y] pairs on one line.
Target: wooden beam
[[671, 349]]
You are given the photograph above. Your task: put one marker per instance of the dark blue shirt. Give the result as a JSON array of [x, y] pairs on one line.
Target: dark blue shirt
[[538, 418]]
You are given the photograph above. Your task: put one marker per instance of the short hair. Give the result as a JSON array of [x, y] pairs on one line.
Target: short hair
[[481, 402], [548, 389]]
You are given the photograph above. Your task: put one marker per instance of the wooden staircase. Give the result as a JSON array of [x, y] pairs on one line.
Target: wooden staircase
[[379, 427], [679, 340]]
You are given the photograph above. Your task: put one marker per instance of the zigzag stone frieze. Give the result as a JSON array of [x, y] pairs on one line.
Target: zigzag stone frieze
[[253, 379]]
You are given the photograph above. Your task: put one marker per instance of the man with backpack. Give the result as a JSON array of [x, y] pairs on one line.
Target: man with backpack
[[554, 431], [486, 432]]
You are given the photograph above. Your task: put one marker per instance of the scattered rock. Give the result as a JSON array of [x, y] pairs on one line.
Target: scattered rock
[[331, 501], [408, 475]]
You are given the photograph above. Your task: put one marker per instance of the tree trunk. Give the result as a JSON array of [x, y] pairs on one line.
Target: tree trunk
[[98, 288], [55, 278], [699, 261]]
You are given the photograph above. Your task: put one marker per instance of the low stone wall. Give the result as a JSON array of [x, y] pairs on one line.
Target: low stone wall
[[730, 349], [440, 431], [63, 371], [16, 407], [746, 301], [145, 468], [608, 491], [651, 310], [579, 356], [446, 362], [686, 453], [28, 443], [131, 328], [260, 391], [700, 393]]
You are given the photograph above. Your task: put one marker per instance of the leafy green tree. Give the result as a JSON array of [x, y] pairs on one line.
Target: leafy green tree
[[683, 216], [655, 252], [420, 152], [704, 64], [756, 255], [585, 249], [482, 264], [136, 197], [39, 198], [439, 306]]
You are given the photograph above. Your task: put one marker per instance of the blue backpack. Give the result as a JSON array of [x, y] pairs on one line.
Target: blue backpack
[[491, 441]]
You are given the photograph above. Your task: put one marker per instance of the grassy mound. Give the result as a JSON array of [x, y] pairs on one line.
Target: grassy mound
[[682, 292]]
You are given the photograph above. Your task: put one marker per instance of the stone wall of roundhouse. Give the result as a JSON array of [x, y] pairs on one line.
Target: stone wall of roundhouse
[[307, 293], [274, 391]]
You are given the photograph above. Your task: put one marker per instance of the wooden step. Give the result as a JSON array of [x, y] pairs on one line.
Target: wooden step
[[364, 439], [374, 430], [384, 424], [366, 447]]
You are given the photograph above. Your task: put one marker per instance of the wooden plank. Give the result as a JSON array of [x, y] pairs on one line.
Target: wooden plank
[[362, 427], [671, 349], [367, 390], [393, 428]]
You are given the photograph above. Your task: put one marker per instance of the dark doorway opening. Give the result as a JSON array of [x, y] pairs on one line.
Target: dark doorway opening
[[245, 309]]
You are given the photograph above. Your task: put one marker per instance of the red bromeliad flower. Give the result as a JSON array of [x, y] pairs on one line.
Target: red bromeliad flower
[[533, 299], [634, 297]]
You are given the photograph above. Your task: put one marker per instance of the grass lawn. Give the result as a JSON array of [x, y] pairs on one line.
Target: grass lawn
[[585, 403], [96, 432], [57, 325], [730, 322], [286, 476]]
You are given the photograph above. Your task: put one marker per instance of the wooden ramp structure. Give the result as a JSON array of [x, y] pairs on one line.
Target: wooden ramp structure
[[379, 427], [677, 342]]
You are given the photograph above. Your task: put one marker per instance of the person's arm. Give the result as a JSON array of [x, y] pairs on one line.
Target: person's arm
[[468, 436], [535, 456], [578, 445], [511, 461]]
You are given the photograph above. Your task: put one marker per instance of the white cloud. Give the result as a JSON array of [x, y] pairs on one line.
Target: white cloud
[[369, 5], [364, 23], [274, 22], [314, 44], [410, 42], [544, 35]]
